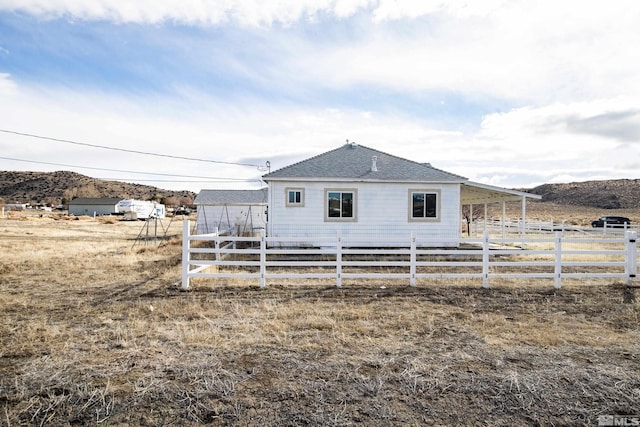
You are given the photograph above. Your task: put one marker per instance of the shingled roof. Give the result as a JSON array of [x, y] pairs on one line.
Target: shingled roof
[[231, 197], [355, 162]]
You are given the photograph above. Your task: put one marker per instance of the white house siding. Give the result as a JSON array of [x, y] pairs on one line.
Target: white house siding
[[382, 211], [238, 219]]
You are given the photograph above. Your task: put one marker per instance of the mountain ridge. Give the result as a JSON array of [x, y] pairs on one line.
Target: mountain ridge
[[53, 188], [603, 194], [58, 187]]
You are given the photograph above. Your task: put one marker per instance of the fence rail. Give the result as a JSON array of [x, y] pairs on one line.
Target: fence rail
[[531, 226], [554, 257]]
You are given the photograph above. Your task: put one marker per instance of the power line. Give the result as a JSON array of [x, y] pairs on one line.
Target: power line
[[182, 180], [66, 141], [124, 171]]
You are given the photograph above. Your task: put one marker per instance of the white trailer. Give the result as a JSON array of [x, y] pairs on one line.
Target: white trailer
[[140, 209]]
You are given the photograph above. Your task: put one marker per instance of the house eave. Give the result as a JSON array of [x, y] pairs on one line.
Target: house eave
[[477, 193], [361, 180]]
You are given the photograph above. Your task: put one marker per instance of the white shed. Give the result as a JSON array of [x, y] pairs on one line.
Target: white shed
[[239, 212], [94, 206], [365, 193]]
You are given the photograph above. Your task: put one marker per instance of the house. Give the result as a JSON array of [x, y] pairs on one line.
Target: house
[[374, 196], [239, 212], [94, 206]]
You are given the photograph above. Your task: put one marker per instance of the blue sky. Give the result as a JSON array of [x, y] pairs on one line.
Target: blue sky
[[508, 93]]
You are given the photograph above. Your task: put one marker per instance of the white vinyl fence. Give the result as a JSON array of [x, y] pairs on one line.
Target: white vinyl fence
[[554, 256], [507, 226]]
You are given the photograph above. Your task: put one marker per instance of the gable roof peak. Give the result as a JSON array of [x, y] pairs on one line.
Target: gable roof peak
[[353, 161]]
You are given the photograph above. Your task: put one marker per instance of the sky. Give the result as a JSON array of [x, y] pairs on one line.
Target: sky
[[198, 94]]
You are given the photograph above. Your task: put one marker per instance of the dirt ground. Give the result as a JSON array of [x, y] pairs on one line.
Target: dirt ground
[[96, 331]]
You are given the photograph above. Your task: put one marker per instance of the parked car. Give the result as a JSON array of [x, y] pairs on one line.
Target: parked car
[[611, 221], [182, 211]]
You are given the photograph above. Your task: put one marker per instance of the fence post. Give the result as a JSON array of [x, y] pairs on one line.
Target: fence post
[[339, 258], [185, 254], [263, 261], [216, 243], [412, 262], [631, 264], [485, 259], [558, 265]]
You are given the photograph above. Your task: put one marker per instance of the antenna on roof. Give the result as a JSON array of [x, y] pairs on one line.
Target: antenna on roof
[[266, 167]]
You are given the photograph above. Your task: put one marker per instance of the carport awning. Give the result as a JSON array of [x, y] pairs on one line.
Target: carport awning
[[473, 193]]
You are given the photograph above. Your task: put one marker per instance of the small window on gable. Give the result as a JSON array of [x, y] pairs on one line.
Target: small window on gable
[[295, 196], [424, 205]]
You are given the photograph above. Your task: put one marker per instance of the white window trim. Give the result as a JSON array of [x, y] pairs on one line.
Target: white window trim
[[354, 191], [286, 197], [438, 194]]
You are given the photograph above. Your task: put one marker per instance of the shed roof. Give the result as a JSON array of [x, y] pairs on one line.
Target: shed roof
[[95, 201], [355, 162], [476, 193], [231, 197]]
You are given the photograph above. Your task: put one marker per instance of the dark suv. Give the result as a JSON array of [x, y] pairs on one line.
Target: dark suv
[[182, 211], [611, 221]]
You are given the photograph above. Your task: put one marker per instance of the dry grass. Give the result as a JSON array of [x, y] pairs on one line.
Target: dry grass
[[95, 331]]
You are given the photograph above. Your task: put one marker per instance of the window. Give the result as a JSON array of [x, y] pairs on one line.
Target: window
[[295, 196], [340, 205], [423, 205]]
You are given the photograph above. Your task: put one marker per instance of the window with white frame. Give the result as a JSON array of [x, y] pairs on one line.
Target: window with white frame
[[424, 205], [295, 196], [340, 205]]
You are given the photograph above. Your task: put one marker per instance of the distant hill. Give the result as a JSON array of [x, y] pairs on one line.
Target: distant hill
[[55, 187], [607, 194]]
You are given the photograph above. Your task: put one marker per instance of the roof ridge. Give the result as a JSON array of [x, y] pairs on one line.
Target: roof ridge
[[428, 165], [307, 159], [346, 162]]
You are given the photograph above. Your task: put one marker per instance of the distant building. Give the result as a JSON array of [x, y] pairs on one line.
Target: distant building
[[94, 206], [15, 206]]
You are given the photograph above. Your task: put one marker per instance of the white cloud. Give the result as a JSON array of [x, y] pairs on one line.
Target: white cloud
[[537, 145], [389, 10], [514, 149], [246, 132], [202, 12], [207, 128], [538, 52], [600, 121], [245, 12], [7, 86], [566, 83], [531, 52]]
